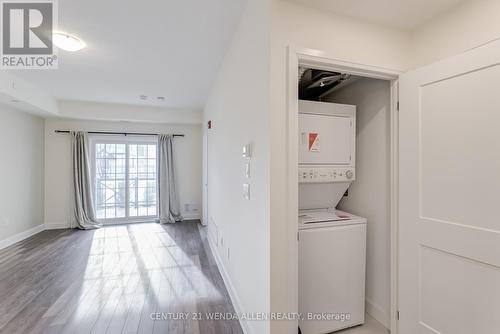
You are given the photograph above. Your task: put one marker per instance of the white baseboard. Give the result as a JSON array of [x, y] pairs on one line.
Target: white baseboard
[[191, 216], [56, 226], [21, 236], [230, 287], [61, 225], [377, 313]]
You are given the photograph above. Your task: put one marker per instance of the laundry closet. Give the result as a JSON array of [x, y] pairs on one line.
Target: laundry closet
[[344, 200]]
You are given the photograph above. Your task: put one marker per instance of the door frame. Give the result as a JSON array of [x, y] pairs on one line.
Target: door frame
[[204, 215], [320, 60], [127, 140]]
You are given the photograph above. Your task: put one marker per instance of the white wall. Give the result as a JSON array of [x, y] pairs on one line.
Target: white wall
[[21, 172], [471, 24], [239, 109], [34, 99], [340, 38], [369, 194], [187, 154]]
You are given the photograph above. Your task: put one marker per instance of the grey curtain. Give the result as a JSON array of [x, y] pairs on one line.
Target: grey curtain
[[168, 199], [83, 214]]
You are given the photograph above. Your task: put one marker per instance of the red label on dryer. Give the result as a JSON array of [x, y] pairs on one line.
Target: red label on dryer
[[313, 142]]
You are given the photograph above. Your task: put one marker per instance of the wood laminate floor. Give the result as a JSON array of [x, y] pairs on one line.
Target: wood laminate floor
[[136, 278]]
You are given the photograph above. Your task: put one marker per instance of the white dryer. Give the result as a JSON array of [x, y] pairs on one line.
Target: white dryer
[[327, 152]]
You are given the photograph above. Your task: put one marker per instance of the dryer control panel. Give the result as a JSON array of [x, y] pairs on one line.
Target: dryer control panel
[[325, 174]]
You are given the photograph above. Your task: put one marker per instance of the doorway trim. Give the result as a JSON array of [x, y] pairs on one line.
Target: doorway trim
[[319, 60], [204, 214]]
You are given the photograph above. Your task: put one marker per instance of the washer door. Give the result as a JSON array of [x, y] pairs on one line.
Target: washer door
[[332, 277]]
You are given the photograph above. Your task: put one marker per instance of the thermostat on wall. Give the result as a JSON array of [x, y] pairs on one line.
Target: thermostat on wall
[[246, 151]]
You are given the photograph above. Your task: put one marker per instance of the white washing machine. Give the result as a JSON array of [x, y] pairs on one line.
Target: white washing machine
[[332, 254]]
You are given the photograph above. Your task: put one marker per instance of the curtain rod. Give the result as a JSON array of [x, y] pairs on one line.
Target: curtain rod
[[119, 133]]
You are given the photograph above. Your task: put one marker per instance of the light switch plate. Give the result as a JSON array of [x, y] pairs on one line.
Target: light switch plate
[[246, 191], [247, 170]]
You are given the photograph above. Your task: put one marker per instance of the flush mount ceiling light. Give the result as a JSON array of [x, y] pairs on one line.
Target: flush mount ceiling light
[[67, 41]]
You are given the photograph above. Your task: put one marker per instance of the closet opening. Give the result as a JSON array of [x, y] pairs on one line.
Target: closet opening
[[345, 122]]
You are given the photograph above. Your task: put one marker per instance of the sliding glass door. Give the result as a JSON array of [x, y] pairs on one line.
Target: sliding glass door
[[125, 180]]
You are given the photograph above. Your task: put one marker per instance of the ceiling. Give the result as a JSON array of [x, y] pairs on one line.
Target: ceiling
[[155, 48], [400, 14]]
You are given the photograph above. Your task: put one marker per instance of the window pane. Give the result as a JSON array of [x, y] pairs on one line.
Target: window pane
[[132, 209], [100, 212], [142, 151], [152, 209], [110, 150], [100, 195], [110, 167], [152, 152], [141, 194], [120, 211], [143, 209], [110, 198], [100, 183], [120, 193], [114, 196], [132, 193], [120, 149], [100, 151], [132, 165], [142, 165], [132, 151], [110, 185], [120, 166], [151, 166], [100, 165], [151, 195], [110, 211], [100, 199]]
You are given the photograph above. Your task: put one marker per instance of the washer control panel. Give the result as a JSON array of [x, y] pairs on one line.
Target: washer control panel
[[325, 174]]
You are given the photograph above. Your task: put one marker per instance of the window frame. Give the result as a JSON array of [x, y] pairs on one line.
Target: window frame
[[127, 140]]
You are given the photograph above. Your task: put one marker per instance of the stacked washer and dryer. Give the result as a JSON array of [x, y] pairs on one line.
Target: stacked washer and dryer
[[332, 243]]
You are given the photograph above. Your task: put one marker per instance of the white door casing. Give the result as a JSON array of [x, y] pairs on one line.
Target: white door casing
[[204, 219], [320, 60], [449, 223]]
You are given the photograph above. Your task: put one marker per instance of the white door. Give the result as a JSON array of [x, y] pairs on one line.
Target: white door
[[449, 263]]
